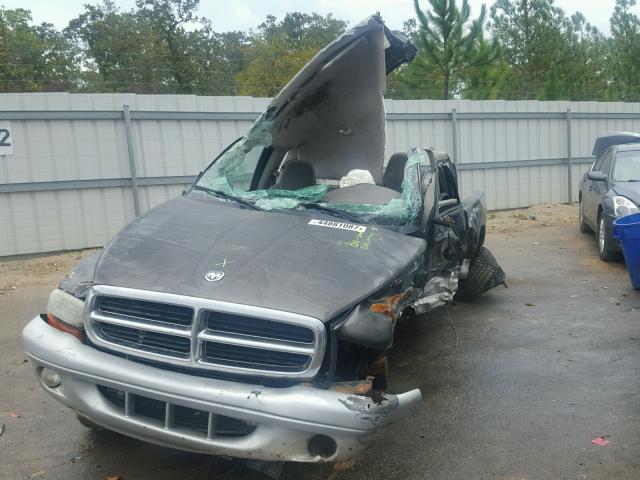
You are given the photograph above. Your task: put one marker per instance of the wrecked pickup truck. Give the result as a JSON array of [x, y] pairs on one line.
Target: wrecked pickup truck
[[250, 317]]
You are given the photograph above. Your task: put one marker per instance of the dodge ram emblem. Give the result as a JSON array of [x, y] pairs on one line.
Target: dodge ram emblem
[[214, 276]]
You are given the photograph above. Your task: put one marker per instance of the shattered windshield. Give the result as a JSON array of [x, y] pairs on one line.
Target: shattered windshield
[[232, 173]]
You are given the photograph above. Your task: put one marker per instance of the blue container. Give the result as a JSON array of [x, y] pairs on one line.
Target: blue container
[[627, 230]]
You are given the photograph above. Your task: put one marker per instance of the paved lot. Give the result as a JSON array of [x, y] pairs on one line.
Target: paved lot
[[528, 378]]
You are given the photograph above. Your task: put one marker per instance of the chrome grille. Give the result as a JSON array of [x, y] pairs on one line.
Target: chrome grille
[[255, 358], [145, 340], [241, 325], [150, 311], [205, 334]]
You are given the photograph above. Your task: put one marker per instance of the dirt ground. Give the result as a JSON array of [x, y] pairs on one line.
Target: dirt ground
[[38, 270], [515, 385], [544, 215]]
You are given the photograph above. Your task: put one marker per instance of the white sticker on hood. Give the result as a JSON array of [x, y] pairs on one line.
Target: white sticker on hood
[[341, 225]]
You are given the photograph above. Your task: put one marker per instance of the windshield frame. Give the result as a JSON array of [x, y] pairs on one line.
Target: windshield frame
[[257, 171]]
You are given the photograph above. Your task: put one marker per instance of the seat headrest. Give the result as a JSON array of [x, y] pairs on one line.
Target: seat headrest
[[394, 173], [296, 174]]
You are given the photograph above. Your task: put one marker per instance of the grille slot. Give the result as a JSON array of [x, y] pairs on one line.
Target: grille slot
[[151, 311], [145, 340], [149, 407], [254, 358], [258, 327], [171, 416]]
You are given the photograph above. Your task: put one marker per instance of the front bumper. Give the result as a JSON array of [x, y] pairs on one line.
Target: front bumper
[[286, 419]]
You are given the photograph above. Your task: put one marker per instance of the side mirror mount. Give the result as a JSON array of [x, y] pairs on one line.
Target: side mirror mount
[[597, 176]]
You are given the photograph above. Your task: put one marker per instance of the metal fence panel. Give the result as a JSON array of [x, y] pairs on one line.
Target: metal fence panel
[[68, 183]]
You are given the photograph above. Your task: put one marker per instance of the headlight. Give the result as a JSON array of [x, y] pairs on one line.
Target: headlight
[[66, 313], [622, 207]]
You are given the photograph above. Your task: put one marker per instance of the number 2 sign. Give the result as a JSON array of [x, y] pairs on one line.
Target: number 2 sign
[[6, 141]]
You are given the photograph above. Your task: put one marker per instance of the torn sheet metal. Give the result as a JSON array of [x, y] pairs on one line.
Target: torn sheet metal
[[437, 292], [80, 279]]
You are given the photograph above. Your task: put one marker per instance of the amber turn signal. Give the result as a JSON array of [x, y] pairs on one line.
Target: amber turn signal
[[65, 327]]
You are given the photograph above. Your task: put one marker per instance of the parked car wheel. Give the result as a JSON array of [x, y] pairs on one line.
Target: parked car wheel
[[584, 228], [604, 241]]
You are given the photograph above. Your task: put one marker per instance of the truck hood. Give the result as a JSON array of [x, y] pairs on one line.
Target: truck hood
[[269, 259]]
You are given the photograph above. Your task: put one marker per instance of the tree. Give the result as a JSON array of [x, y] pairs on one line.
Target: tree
[[34, 57], [533, 35], [122, 52], [167, 19], [216, 59], [279, 49], [625, 48], [586, 76], [451, 43], [485, 83], [418, 79]]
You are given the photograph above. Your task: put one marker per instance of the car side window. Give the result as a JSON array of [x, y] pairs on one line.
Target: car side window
[[606, 164], [598, 162]]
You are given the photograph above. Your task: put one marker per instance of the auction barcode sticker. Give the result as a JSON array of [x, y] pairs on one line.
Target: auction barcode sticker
[[341, 225]]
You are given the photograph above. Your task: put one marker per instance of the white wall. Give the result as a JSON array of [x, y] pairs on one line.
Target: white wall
[[68, 149]]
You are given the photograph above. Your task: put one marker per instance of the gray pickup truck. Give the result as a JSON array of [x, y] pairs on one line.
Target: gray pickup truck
[[250, 317]]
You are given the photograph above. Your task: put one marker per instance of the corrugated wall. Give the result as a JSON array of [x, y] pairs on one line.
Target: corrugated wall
[[68, 185]]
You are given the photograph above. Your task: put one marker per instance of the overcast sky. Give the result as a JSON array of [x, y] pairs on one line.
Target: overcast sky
[[245, 14]]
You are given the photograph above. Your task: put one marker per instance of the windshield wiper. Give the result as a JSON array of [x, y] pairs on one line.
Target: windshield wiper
[[333, 211], [226, 196]]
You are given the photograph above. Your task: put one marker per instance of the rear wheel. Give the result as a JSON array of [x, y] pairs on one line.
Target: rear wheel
[[604, 241], [584, 228]]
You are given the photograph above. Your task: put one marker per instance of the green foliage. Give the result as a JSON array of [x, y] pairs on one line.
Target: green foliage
[[529, 49], [587, 75], [279, 49], [451, 44], [34, 57], [485, 83], [625, 51], [533, 35], [121, 52]]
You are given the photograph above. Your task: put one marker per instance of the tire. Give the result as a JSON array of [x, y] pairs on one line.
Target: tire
[[484, 274], [604, 241], [584, 228]]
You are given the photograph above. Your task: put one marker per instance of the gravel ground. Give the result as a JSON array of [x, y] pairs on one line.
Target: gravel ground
[[516, 385]]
